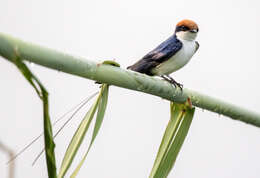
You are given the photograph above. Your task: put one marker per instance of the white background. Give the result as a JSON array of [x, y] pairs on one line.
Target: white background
[[226, 66]]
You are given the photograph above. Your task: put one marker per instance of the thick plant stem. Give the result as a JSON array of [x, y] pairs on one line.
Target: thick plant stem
[[11, 47]]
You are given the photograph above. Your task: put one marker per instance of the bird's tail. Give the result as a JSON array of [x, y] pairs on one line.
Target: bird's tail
[[142, 66]]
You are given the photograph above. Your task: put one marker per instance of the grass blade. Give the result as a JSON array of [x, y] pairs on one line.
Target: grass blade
[[101, 112], [76, 108], [167, 138], [48, 138], [99, 119], [178, 141], [175, 133], [77, 139], [43, 94]]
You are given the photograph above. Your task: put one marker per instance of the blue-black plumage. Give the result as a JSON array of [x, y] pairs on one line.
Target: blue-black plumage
[[160, 54], [172, 54]]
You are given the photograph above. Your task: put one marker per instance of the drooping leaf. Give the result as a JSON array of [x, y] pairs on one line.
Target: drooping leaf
[[48, 138], [168, 134], [178, 141], [101, 112], [168, 137], [43, 94], [75, 109], [175, 133], [99, 119], [78, 138]]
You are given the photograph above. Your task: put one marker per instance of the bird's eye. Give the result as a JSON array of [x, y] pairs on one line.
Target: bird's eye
[[184, 28]]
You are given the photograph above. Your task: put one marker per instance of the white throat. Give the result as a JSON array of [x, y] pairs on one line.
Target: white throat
[[189, 36]]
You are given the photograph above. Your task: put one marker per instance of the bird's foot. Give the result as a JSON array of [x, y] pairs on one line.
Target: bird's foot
[[172, 81]]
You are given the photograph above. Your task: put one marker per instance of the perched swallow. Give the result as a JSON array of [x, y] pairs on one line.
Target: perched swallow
[[172, 54]]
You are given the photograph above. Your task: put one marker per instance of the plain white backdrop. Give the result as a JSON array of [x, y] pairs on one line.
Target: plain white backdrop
[[226, 66]]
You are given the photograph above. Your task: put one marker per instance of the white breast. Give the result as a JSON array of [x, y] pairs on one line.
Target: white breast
[[178, 60]]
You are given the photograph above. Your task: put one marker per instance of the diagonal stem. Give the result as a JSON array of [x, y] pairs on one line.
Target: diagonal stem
[[119, 77]]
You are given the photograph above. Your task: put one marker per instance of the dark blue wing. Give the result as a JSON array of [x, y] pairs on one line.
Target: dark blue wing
[[160, 54], [165, 50]]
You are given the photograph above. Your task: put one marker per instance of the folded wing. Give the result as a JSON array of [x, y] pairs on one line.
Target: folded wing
[[160, 54]]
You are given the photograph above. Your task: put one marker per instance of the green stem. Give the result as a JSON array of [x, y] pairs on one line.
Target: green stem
[[111, 75]]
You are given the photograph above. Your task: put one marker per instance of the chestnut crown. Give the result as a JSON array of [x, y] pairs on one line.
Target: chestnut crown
[[187, 25]]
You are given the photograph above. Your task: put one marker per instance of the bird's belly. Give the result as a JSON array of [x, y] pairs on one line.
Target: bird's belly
[[177, 61]]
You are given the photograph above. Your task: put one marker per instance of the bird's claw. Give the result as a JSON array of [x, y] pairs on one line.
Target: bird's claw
[[172, 81], [179, 85]]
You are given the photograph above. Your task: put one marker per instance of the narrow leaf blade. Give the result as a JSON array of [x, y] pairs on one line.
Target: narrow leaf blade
[[43, 94], [48, 138], [167, 138], [177, 143], [77, 139], [175, 133], [99, 119]]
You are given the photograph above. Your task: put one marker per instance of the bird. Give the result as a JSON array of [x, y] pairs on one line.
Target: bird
[[172, 54]]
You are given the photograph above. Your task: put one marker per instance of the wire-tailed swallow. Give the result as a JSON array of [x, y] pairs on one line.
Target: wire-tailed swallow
[[172, 54]]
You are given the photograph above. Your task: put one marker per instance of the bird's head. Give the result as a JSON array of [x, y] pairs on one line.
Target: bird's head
[[186, 30]]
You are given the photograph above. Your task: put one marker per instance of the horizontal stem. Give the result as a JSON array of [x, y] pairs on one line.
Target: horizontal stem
[[11, 47]]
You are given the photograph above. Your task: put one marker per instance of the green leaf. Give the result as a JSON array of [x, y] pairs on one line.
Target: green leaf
[[101, 112], [76, 109], [178, 141], [167, 138], [175, 133], [99, 119], [77, 138], [113, 63], [48, 136]]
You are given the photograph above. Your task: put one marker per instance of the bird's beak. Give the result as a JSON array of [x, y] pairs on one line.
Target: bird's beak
[[194, 30]]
